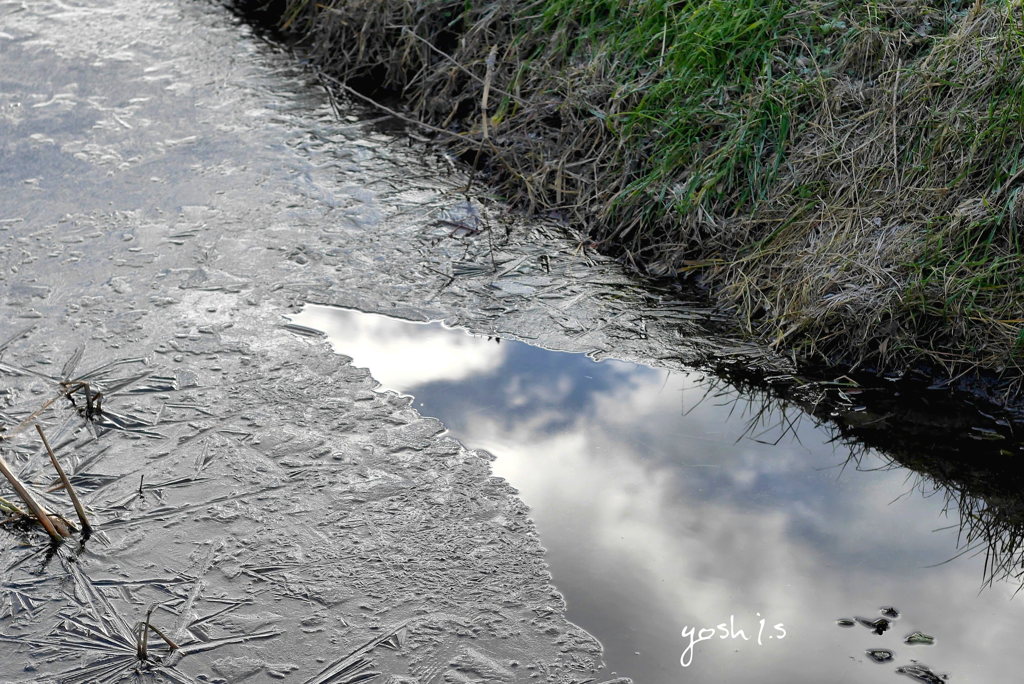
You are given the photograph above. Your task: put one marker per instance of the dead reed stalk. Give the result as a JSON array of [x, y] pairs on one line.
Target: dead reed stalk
[[79, 508], [41, 514]]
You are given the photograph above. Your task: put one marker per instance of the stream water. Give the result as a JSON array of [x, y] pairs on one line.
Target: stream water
[[669, 502], [174, 188]]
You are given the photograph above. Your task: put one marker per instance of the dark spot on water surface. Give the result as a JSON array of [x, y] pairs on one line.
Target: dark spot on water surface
[[878, 625], [879, 655], [922, 673]]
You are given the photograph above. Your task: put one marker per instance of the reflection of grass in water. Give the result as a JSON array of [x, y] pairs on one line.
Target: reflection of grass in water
[[991, 522], [991, 517], [983, 488], [987, 494], [767, 418]]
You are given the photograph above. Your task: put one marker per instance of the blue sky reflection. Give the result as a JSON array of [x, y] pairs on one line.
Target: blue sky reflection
[[660, 512]]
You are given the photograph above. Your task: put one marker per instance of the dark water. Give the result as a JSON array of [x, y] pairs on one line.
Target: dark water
[[667, 503]]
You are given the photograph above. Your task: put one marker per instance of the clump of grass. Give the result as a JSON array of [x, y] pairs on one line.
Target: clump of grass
[[895, 228], [844, 175]]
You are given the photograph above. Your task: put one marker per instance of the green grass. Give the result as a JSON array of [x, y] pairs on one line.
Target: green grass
[[699, 78], [712, 88]]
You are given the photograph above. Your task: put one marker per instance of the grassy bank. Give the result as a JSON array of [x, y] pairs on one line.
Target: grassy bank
[[845, 175]]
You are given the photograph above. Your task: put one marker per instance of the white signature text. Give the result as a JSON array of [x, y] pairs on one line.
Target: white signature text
[[728, 630]]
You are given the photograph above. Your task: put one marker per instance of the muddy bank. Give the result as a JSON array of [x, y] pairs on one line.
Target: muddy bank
[[828, 171]]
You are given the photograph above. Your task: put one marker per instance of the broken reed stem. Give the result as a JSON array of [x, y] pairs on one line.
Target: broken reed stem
[[9, 507], [93, 400], [92, 405], [37, 510], [170, 642], [142, 639], [20, 426], [142, 630], [79, 508]]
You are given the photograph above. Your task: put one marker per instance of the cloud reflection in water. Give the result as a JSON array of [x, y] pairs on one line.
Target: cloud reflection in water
[[660, 511]]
